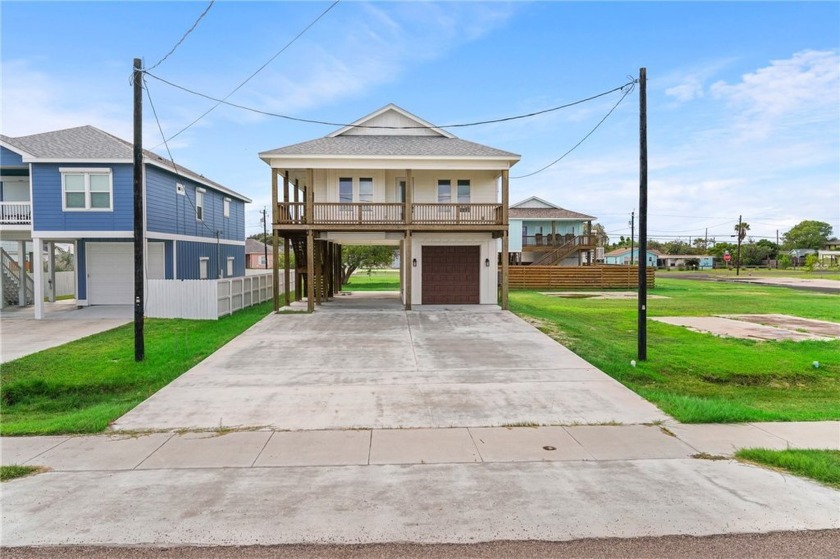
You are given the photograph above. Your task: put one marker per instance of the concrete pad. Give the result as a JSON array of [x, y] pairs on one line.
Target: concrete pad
[[725, 440], [527, 444], [20, 450], [422, 446], [316, 448], [628, 442], [102, 452], [208, 450], [787, 322], [726, 327], [806, 434], [459, 503]]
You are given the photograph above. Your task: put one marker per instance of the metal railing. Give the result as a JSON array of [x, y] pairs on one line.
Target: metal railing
[[15, 213]]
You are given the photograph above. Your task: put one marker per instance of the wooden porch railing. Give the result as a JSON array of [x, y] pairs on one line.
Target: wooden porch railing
[[332, 213], [556, 240], [15, 213]]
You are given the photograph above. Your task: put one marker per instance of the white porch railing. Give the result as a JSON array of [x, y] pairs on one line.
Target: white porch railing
[[15, 213]]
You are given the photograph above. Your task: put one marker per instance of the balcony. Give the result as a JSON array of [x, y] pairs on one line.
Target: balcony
[[15, 213], [550, 242], [368, 216]]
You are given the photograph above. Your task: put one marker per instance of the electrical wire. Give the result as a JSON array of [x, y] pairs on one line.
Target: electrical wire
[[380, 127], [249, 78], [628, 88], [190, 30]]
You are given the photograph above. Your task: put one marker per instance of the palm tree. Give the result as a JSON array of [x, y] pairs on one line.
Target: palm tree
[[741, 230]]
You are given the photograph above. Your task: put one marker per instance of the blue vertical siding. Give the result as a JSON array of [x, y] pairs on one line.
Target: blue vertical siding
[[8, 157], [168, 259], [47, 203], [190, 253], [170, 212]]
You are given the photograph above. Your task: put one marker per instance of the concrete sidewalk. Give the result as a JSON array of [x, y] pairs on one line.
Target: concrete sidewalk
[[424, 485]]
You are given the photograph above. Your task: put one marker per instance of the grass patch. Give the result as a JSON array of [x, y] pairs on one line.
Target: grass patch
[[820, 465], [696, 377], [82, 386], [377, 280], [8, 473]]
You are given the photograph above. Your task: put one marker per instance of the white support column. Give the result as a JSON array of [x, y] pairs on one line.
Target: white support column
[[21, 273], [38, 272], [51, 269]]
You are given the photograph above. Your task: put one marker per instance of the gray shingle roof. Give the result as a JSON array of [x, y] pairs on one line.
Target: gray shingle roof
[[546, 213], [387, 146], [88, 143], [253, 246]]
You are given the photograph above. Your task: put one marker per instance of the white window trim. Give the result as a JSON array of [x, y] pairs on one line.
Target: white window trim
[[226, 207], [230, 262], [198, 191], [87, 172], [203, 259]]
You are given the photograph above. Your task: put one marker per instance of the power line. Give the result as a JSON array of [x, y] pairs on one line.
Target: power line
[[628, 88], [190, 30], [379, 127], [249, 78]]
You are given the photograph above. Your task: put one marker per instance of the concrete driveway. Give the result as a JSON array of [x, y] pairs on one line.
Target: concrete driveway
[[363, 362], [21, 334]]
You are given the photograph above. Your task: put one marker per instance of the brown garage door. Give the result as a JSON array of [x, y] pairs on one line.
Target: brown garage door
[[451, 275]]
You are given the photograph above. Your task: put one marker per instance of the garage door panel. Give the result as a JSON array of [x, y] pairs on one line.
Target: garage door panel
[[110, 271], [451, 275]]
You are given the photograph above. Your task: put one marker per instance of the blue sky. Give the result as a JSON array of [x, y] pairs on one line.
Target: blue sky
[[743, 98]]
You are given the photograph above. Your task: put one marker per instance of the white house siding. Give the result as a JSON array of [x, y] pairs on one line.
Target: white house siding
[[488, 276]]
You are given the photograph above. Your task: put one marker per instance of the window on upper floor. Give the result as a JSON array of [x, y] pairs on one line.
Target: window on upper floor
[[227, 207], [444, 191], [463, 191], [400, 193], [366, 190], [87, 189], [345, 190], [199, 204]]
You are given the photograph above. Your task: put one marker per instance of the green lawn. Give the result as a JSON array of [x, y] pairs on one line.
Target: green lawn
[[698, 377], [82, 386], [819, 465], [378, 280]]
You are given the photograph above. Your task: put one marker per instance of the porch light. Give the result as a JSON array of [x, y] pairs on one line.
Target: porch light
[[486, 262], [414, 262]]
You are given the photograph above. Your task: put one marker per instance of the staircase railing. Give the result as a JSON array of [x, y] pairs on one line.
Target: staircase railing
[[11, 281], [563, 251]]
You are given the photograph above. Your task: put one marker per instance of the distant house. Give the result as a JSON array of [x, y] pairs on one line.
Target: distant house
[[686, 261], [544, 234], [76, 186], [255, 255], [622, 256]]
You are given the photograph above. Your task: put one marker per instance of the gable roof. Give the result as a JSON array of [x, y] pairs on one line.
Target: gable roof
[[253, 246], [537, 208], [90, 144], [398, 134]]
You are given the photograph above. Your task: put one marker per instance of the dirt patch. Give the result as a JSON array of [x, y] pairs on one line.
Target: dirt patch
[[743, 329], [598, 295], [794, 323]]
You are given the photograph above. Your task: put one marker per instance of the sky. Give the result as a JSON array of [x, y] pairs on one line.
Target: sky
[[743, 98]]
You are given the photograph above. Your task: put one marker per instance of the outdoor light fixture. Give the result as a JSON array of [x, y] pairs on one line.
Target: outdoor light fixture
[[414, 262], [487, 262]]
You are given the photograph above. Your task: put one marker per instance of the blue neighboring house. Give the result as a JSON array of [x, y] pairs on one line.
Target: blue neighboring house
[[76, 186], [622, 256]]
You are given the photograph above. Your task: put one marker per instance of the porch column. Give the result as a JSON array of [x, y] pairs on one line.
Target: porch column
[[330, 270], [38, 273], [21, 273], [338, 270], [505, 243], [286, 259], [309, 196], [51, 269], [319, 272], [275, 265], [407, 265], [310, 270], [297, 218]]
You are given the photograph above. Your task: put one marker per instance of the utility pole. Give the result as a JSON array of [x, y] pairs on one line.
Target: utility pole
[[632, 233], [265, 237], [139, 236], [740, 236], [643, 185], [778, 249], [706, 240]]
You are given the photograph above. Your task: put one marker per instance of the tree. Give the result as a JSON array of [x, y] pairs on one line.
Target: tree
[[741, 230], [807, 234], [771, 248], [266, 238], [364, 257], [600, 235]]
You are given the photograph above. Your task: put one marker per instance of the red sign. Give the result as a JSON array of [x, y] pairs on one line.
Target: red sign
[[727, 257]]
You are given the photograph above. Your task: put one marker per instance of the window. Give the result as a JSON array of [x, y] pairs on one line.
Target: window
[[345, 190], [400, 194], [230, 266], [202, 267], [366, 190], [227, 207], [463, 191], [444, 192], [199, 204], [86, 189]]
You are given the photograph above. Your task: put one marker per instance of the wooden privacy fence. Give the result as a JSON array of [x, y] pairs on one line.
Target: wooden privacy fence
[[206, 299], [576, 277]]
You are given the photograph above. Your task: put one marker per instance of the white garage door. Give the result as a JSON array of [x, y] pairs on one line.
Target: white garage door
[[110, 271]]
